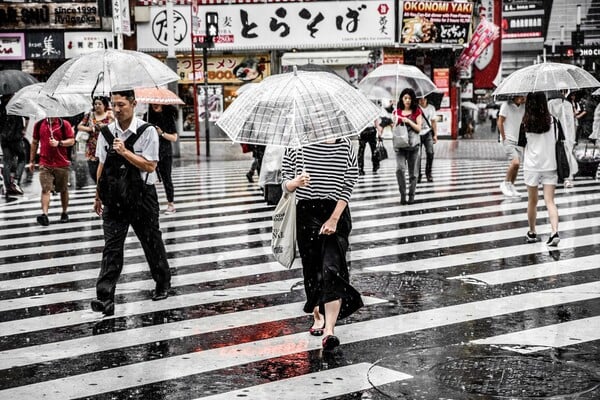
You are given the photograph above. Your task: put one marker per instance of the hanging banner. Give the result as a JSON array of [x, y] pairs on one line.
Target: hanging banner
[[485, 33], [488, 64], [435, 22]]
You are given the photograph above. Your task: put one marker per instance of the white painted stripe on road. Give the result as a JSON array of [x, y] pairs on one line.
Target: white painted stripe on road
[[154, 333], [144, 373], [534, 271], [318, 385], [146, 306], [556, 335]]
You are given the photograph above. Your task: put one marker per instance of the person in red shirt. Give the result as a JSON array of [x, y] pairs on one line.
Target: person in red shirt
[[53, 136]]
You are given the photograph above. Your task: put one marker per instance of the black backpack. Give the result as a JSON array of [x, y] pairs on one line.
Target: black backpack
[[120, 186]]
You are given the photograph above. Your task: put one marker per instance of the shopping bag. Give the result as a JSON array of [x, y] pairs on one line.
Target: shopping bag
[[283, 242], [380, 151], [400, 137], [562, 159]]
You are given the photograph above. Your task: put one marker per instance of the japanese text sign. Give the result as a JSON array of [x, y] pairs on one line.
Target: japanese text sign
[[12, 46], [446, 22], [302, 25], [45, 45]]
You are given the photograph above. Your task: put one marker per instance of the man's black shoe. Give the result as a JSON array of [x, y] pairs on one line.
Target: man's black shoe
[[106, 307], [64, 217], [43, 220], [161, 293], [249, 176]]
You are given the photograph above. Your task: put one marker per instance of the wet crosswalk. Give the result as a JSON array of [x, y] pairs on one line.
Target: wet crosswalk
[[449, 277]]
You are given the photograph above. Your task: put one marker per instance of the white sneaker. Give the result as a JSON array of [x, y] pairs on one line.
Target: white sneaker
[[170, 210], [514, 190], [506, 188]]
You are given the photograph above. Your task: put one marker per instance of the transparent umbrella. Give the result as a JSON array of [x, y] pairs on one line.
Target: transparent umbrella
[[30, 101], [297, 109], [545, 77], [11, 80], [100, 72], [394, 78]]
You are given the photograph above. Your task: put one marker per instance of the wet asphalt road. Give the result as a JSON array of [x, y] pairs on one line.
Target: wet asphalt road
[[457, 305]]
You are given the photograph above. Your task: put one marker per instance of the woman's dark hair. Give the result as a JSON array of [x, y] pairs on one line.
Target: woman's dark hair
[[537, 118], [413, 100], [104, 101]]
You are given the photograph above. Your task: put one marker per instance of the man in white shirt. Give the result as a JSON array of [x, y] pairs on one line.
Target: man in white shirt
[[428, 136], [509, 122]]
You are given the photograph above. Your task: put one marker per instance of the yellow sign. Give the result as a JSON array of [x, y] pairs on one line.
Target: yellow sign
[[225, 69]]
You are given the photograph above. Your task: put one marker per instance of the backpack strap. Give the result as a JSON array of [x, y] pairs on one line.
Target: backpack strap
[[108, 136]]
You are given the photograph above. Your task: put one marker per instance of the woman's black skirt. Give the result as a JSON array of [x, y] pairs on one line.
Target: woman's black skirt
[[326, 276]]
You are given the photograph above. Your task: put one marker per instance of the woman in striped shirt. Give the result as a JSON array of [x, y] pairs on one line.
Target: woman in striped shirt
[[323, 176]]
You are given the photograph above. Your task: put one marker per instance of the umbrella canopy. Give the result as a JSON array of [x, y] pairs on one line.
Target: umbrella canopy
[[545, 77], [396, 77], [30, 101], [469, 105], [11, 80], [297, 109], [245, 87], [155, 95], [100, 72]]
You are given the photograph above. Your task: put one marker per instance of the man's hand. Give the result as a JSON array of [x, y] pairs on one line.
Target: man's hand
[[98, 208]]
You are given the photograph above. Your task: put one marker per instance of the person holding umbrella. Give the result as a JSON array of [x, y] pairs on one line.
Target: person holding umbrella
[[509, 122], [323, 176], [13, 149], [409, 114], [539, 165]]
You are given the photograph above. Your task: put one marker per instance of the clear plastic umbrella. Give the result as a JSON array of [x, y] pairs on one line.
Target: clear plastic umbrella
[[12, 80], [545, 77], [297, 109], [100, 72], [394, 78], [31, 102]]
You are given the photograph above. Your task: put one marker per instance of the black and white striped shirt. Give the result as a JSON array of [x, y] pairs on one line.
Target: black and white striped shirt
[[332, 168]]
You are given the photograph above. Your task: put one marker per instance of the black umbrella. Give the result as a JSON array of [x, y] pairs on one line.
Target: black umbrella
[[435, 99], [11, 80]]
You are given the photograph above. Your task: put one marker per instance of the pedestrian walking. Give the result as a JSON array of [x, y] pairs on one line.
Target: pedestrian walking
[[408, 113], [428, 136], [323, 176], [91, 123], [138, 209], [163, 118], [368, 135], [54, 136], [540, 164], [12, 130], [562, 109], [509, 123], [584, 117], [493, 115], [258, 152]]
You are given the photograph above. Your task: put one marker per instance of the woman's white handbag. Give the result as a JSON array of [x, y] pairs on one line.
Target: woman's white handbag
[[283, 242]]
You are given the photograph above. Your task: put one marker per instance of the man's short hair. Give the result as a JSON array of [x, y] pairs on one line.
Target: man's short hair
[[129, 94]]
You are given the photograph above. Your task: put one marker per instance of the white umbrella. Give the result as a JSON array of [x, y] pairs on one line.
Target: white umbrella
[[394, 78], [100, 72], [30, 101], [545, 77], [297, 109], [469, 105]]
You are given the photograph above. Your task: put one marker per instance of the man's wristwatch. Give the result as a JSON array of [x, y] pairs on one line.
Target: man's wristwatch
[[60, 143]]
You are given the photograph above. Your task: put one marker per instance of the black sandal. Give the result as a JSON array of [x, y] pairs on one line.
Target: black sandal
[[330, 342]]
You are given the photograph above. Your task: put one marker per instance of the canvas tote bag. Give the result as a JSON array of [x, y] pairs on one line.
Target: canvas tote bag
[[283, 242]]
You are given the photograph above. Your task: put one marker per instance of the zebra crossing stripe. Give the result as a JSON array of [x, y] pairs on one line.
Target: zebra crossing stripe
[[534, 271], [155, 333], [318, 385], [551, 336], [147, 372]]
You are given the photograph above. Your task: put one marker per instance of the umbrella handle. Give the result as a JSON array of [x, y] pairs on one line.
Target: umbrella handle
[[98, 79]]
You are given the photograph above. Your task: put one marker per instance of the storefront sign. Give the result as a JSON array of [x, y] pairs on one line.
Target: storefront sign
[[523, 19], [226, 69], [215, 102], [302, 25], [45, 45], [49, 16], [12, 46], [393, 56], [78, 43], [446, 22], [441, 79]]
